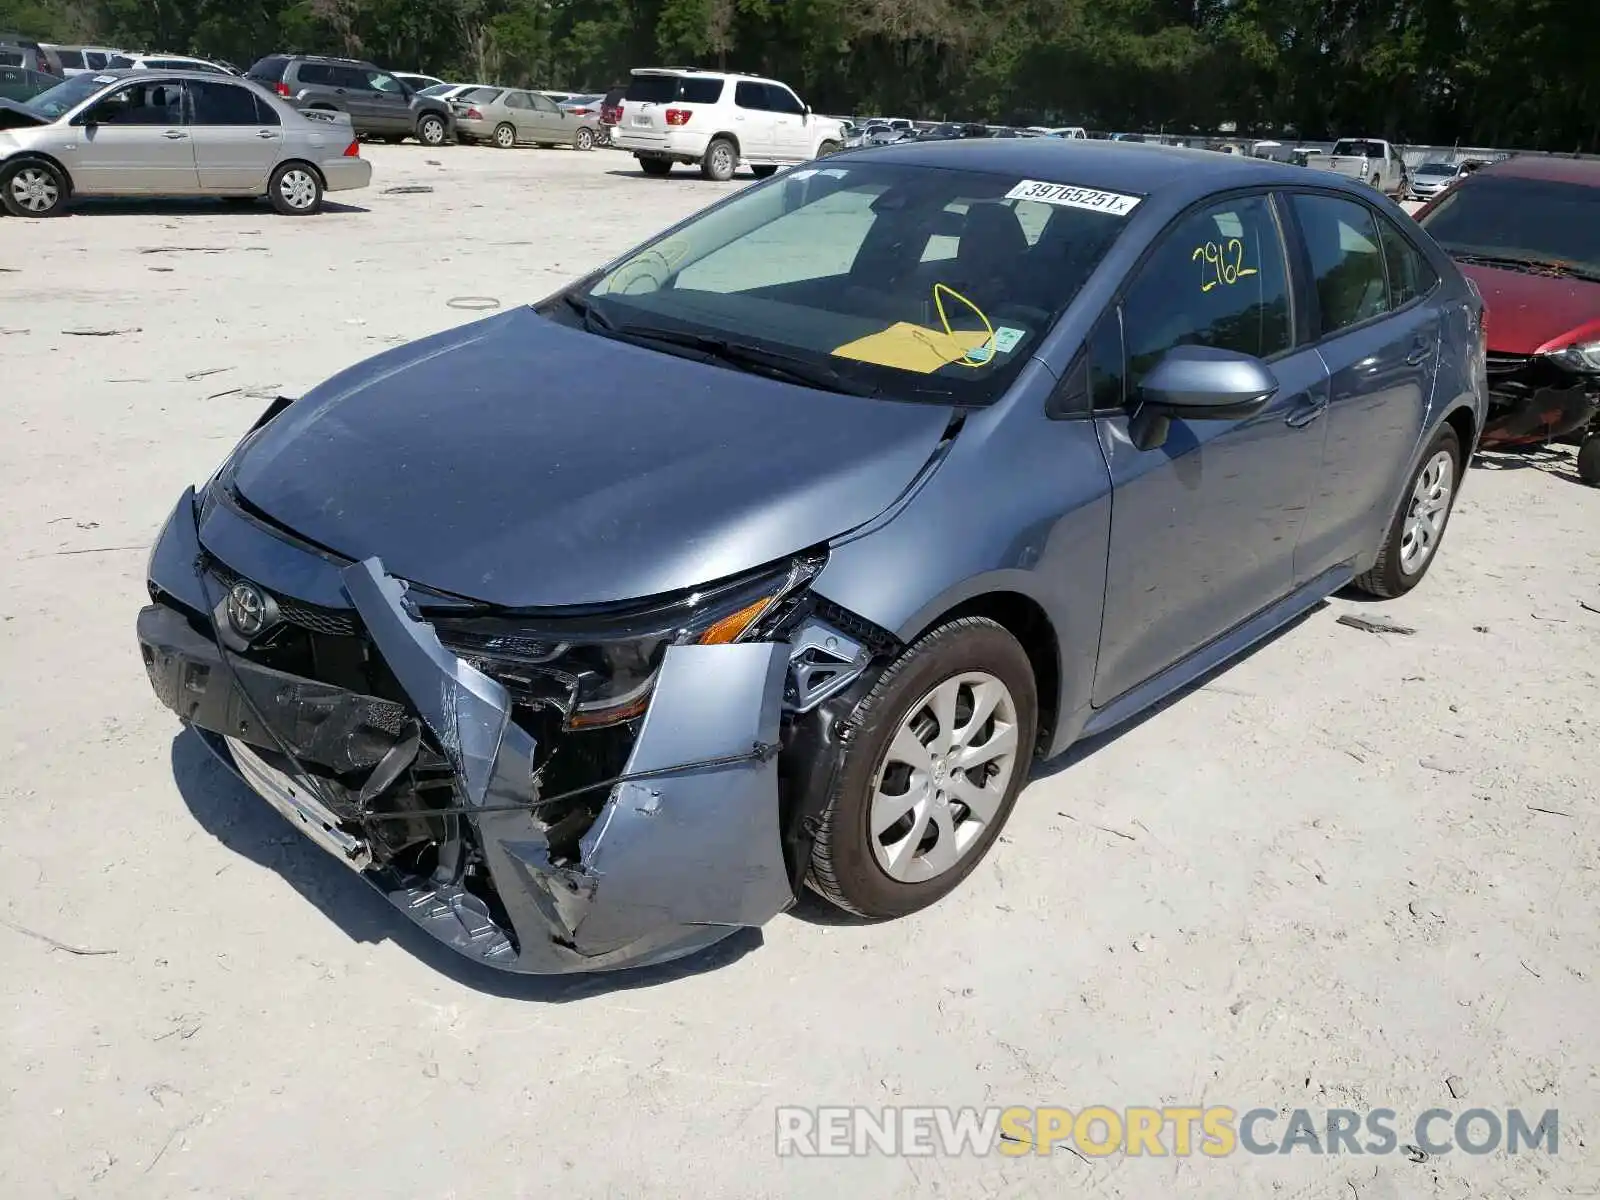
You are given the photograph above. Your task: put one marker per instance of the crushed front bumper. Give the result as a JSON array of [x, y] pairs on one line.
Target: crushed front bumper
[[1533, 400], [674, 862]]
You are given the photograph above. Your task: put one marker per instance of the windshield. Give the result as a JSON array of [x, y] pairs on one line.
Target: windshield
[[66, 96], [909, 282], [1531, 219]]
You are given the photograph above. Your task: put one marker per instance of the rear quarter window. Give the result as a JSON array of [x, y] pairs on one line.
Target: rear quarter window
[[701, 91], [70, 58], [270, 69]]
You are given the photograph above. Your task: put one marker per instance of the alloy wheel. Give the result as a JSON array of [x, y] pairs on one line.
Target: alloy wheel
[[1430, 507], [585, 139], [722, 160], [432, 131], [298, 188], [505, 137], [944, 776], [35, 189]]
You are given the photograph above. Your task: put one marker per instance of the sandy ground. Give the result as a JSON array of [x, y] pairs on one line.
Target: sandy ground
[[1346, 870]]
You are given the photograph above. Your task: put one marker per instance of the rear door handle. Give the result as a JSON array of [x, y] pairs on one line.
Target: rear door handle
[[1303, 414], [266, 133], [174, 134]]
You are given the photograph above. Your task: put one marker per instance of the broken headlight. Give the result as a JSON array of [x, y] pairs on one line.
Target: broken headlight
[[1584, 358], [600, 669]]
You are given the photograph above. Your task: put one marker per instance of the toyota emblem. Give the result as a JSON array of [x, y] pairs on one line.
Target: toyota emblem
[[247, 610]]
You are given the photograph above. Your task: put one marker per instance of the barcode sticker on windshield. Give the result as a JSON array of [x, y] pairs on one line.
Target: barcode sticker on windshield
[[1068, 196]]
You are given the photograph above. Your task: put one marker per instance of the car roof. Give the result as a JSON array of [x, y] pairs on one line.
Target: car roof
[[1556, 170], [1114, 166]]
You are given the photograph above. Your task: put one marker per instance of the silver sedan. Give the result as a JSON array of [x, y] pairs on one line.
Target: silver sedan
[[171, 133], [507, 116]]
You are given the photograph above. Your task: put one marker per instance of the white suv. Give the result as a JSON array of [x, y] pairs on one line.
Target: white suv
[[717, 121]]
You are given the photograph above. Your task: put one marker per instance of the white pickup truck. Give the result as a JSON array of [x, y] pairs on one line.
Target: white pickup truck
[[1371, 160]]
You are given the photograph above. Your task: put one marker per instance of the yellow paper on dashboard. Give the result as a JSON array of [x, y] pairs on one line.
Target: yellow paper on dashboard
[[908, 347]]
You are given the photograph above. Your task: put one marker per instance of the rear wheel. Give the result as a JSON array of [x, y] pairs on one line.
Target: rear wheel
[[295, 190], [505, 136], [655, 166], [583, 139], [941, 749], [1414, 535], [430, 130], [33, 188], [720, 160]]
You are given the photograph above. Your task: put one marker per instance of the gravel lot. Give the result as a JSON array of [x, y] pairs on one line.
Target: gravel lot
[[1346, 870]]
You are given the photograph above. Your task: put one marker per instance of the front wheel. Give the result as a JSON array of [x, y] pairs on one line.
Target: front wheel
[[431, 131], [1589, 460], [828, 148], [720, 161], [505, 136], [583, 139], [295, 190], [33, 188], [1412, 541], [656, 166], [940, 751]]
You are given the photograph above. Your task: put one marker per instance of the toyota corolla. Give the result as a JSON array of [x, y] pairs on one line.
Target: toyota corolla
[[773, 553]]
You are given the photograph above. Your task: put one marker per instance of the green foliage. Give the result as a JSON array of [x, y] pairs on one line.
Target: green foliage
[[1504, 72]]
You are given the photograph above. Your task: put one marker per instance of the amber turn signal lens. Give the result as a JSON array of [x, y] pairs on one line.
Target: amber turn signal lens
[[731, 628]]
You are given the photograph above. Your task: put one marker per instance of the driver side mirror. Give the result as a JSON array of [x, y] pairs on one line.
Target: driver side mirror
[[1198, 383]]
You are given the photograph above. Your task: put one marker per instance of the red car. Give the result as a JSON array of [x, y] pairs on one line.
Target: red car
[[1526, 231]]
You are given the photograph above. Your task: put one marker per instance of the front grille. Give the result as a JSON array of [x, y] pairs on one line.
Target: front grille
[[331, 621], [1504, 364]]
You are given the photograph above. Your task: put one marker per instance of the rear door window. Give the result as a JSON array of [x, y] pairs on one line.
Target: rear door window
[[1341, 238], [1410, 274], [518, 100], [752, 96], [222, 104], [316, 74], [94, 60], [1217, 279], [543, 103]]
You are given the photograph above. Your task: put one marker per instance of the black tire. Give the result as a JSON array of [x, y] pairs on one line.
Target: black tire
[[583, 139], [828, 148], [720, 160], [505, 135], [658, 167], [1388, 577], [295, 190], [431, 129], [763, 172], [844, 869], [33, 187], [1589, 460]]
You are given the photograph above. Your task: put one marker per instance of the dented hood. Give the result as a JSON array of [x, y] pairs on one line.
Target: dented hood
[[1528, 313], [523, 463]]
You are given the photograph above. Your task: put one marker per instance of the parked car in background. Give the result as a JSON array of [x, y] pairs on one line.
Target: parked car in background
[[417, 83], [18, 51], [583, 104], [577, 703], [1306, 156], [719, 121], [508, 116], [1372, 161], [447, 91], [123, 61], [1526, 231], [152, 132], [75, 60], [611, 113], [1069, 132], [378, 104], [19, 83], [1431, 178], [555, 97]]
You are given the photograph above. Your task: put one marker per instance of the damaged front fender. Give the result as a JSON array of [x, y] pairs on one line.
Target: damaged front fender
[[672, 863]]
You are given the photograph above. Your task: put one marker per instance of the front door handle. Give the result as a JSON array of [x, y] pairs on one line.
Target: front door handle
[[174, 134], [1303, 414], [267, 133], [1420, 352]]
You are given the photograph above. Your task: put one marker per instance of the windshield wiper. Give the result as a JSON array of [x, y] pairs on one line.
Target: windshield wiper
[[774, 364], [594, 321], [1542, 266]]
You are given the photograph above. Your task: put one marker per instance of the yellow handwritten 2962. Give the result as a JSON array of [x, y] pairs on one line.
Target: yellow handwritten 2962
[[1222, 264]]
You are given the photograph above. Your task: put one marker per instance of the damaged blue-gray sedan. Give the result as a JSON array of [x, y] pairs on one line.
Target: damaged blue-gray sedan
[[772, 554]]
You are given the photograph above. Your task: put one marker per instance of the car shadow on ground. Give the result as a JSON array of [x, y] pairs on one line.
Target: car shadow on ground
[[1558, 461], [814, 910], [199, 206], [245, 824]]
